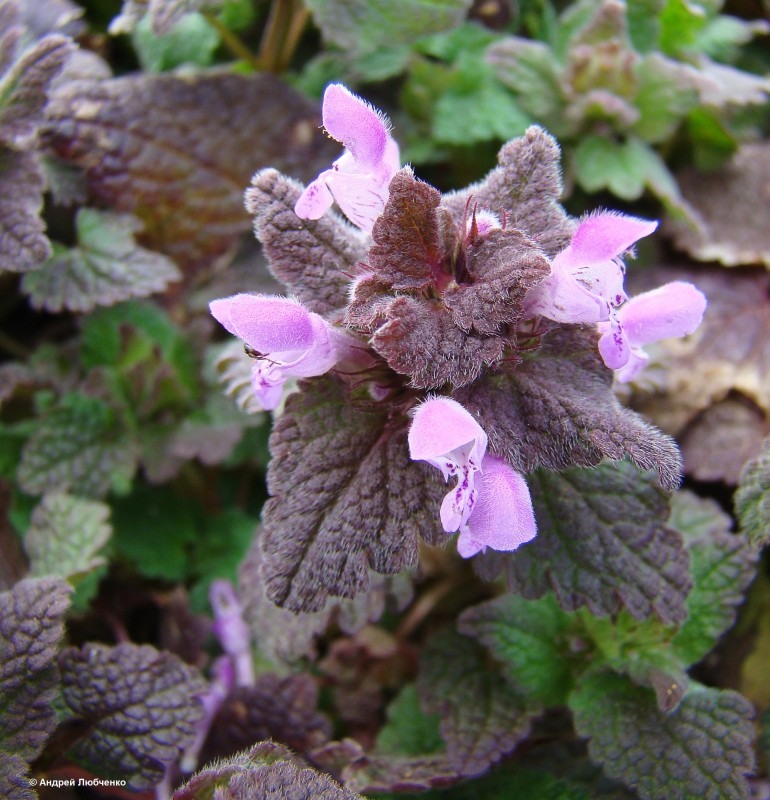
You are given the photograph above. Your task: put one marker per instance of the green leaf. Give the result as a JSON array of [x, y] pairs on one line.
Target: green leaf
[[191, 41], [106, 267], [409, 730], [752, 499], [530, 639], [65, 535], [601, 163], [664, 96], [79, 446], [703, 749]]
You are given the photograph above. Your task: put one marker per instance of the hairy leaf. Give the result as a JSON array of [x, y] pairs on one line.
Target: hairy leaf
[[65, 535], [703, 749], [176, 151], [482, 716], [335, 467], [138, 707], [78, 446], [284, 710], [529, 638], [106, 267], [524, 190], [164, 14], [315, 260], [23, 245], [602, 543], [31, 627], [268, 771], [752, 500], [558, 409], [14, 780]]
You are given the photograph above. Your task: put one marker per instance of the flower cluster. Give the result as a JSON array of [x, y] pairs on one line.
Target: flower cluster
[[447, 290]]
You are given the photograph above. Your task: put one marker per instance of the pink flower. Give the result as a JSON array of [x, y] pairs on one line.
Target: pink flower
[[358, 180], [445, 435], [285, 339], [586, 280], [670, 311], [503, 517]]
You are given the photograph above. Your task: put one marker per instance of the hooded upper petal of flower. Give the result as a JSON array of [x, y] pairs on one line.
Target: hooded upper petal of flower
[[670, 311], [359, 179], [287, 340], [445, 435], [503, 517], [586, 280]]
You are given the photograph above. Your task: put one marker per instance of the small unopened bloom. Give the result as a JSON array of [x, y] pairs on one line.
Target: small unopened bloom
[[284, 338], [358, 180], [445, 435], [586, 280], [503, 517], [670, 311], [231, 630]]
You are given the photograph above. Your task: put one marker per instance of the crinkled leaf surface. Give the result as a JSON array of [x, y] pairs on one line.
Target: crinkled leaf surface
[[702, 749], [65, 536], [602, 543], [314, 259], [31, 627], [177, 151], [752, 500], [557, 409], [409, 730], [483, 717], [529, 638], [78, 446], [14, 780], [106, 267], [139, 708], [164, 14], [23, 244], [344, 496]]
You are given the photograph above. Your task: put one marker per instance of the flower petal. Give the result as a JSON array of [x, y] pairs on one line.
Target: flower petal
[[503, 517], [441, 425], [670, 311], [613, 344], [605, 236], [316, 200]]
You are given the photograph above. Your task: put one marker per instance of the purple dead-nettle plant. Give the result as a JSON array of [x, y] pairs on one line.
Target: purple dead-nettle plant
[[453, 337]]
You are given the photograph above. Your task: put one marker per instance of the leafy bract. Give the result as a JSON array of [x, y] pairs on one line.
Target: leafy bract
[[602, 543], [106, 267], [558, 410], [138, 708], [314, 259], [752, 500], [332, 466], [483, 717], [78, 446], [31, 627], [702, 749], [177, 151], [65, 536]]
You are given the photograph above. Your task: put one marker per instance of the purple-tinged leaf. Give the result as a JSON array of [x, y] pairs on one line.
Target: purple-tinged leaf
[[177, 151], [24, 89], [138, 706], [268, 772], [557, 409], [23, 244], [407, 253], [602, 543], [314, 259], [483, 717], [54, 16], [11, 31], [752, 500], [702, 749], [105, 268], [31, 627], [65, 535], [164, 14], [334, 466], [524, 191], [14, 780], [284, 710]]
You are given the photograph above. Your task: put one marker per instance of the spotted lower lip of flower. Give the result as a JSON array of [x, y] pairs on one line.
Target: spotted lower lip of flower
[[586, 280], [671, 311], [285, 339], [358, 181], [503, 518], [445, 435]]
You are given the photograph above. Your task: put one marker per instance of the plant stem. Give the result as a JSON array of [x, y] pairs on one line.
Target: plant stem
[[285, 23], [234, 42]]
